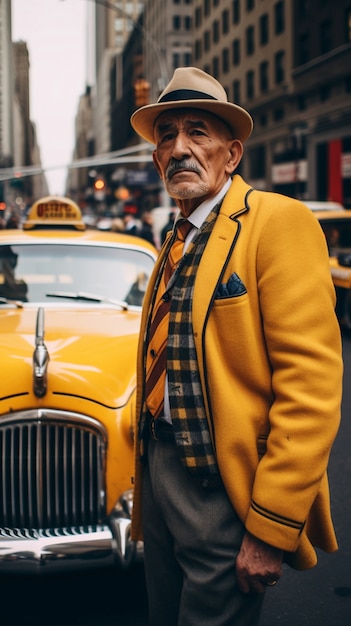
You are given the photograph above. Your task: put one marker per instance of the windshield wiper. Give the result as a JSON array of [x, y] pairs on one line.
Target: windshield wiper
[[88, 297], [17, 303]]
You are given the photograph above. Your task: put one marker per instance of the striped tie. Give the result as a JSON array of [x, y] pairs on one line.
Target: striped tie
[[156, 359]]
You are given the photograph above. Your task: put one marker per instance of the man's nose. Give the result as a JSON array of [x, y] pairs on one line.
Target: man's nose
[[181, 146]]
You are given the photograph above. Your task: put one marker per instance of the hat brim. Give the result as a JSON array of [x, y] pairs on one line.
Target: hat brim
[[239, 121]]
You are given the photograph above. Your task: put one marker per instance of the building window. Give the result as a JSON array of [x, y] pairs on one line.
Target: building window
[[225, 60], [302, 6], [236, 91], [250, 85], [215, 31], [278, 115], [207, 40], [257, 162], [279, 67], [119, 25], [250, 40], [250, 5], [301, 102], [264, 76], [324, 93], [187, 22], [264, 34], [236, 11], [198, 49], [207, 8], [187, 59], [176, 60], [236, 51], [279, 22], [225, 22], [198, 17], [326, 37], [215, 66], [304, 49], [176, 22]]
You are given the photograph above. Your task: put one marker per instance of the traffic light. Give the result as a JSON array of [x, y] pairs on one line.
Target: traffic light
[[99, 184], [141, 92]]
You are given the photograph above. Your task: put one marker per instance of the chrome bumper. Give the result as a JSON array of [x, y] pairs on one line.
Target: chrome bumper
[[57, 550]]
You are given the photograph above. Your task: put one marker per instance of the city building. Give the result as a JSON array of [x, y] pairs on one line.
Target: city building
[[6, 94], [288, 62], [26, 151], [167, 41], [18, 142], [113, 24]]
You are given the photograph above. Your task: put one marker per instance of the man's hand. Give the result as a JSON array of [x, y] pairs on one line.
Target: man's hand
[[258, 565]]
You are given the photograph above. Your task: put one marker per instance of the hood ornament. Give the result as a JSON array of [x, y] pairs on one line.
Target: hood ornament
[[40, 358]]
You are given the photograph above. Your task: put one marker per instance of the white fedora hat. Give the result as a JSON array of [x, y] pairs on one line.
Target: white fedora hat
[[192, 88]]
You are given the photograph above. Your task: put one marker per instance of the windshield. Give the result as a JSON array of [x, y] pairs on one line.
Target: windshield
[[30, 272]]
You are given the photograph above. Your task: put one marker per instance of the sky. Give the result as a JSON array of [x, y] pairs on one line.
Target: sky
[[55, 33]]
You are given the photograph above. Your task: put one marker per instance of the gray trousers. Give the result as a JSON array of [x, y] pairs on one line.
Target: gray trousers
[[191, 538]]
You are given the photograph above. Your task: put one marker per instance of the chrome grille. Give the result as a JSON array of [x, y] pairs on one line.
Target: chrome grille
[[51, 470]]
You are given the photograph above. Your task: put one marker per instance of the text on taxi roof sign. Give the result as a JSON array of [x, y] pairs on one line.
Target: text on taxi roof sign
[[54, 211]]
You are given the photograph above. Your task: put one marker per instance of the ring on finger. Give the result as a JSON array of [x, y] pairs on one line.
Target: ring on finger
[[271, 583]]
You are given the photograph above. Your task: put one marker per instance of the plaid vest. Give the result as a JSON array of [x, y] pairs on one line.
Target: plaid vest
[[189, 419]]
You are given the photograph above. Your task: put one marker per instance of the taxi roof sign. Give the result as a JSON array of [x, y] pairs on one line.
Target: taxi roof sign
[[54, 211]]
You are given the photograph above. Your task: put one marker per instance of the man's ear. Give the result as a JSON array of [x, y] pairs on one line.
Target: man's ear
[[236, 150], [157, 165]]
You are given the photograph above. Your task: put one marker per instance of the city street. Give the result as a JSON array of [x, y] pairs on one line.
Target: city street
[[319, 597]]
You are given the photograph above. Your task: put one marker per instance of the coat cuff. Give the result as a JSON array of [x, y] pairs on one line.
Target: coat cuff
[[276, 530]]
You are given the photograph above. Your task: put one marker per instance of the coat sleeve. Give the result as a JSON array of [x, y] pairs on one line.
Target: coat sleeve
[[297, 301]]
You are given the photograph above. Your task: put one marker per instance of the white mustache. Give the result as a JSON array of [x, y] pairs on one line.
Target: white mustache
[[174, 166]]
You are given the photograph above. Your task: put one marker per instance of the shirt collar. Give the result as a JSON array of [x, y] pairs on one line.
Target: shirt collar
[[198, 216]]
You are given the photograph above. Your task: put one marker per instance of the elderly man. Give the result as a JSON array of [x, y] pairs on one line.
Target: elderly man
[[239, 374]]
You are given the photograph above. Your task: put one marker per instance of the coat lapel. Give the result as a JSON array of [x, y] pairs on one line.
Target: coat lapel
[[218, 249], [213, 262]]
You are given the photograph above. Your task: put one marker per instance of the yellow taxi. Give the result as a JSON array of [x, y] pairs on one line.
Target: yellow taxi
[[70, 306], [336, 224]]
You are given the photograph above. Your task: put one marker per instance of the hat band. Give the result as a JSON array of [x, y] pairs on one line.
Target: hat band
[[185, 94]]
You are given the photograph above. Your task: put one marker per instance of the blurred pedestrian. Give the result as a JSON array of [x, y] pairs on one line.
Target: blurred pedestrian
[[146, 231], [117, 225], [131, 223]]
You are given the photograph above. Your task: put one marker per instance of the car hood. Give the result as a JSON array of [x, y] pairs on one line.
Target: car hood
[[92, 353]]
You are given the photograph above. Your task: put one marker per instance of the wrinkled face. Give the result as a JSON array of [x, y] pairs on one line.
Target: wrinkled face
[[195, 154]]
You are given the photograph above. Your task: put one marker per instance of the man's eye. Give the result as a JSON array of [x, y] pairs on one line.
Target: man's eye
[[167, 137]]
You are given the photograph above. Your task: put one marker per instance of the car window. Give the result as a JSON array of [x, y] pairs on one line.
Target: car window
[[338, 235], [30, 272]]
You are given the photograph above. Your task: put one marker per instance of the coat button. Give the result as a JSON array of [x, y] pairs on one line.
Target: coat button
[[205, 483]]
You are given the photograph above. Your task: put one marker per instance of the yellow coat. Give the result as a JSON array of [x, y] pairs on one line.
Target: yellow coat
[[271, 369]]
